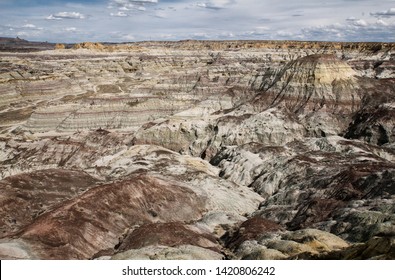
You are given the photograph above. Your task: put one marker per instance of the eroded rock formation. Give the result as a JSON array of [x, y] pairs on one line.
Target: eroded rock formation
[[198, 150]]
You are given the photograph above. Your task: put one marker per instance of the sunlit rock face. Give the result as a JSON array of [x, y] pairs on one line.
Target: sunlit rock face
[[198, 150], [312, 83]]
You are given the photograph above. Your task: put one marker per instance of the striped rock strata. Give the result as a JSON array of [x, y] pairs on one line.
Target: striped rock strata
[[198, 150]]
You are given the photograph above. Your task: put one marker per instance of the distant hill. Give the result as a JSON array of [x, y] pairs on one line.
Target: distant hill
[[21, 45]]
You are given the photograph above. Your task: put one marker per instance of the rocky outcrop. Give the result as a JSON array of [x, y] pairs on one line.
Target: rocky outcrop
[[290, 245], [205, 138], [157, 186], [90, 46], [374, 125], [322, 90], [60, 47], [377, 248], [24, 197], [103, 113], [328, 183], [168, 234], [183, 252], [312, 83], [78, 151], [71, 231]]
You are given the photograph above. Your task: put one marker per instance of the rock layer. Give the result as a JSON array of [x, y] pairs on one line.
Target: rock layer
[[197, 150]]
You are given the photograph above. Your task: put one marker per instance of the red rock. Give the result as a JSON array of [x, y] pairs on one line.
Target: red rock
[[94, 221], [168, 234], [252, 229]]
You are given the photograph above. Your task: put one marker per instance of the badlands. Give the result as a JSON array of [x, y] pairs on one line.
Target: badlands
[[197, 150]]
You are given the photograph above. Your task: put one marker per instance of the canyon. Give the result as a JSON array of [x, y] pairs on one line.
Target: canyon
[[197, 150]]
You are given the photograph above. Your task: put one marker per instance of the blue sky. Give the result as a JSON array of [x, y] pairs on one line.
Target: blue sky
[[136, 20]]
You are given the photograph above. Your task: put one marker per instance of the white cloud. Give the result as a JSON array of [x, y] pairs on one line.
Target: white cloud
[[70, 29], [353, 30], [22, 34], [167, 36], [381, 22], [284, 33], [27, 30], [131, 4], [215, 4], [25, 27], [66, 15], [134, 2], [387, 13], [357, 22], [128, 37], [200, 35], [160, 14], [30, 26], [119, 14], [127, 7]]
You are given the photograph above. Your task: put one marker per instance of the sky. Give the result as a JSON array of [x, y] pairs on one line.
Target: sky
[[71, 21]]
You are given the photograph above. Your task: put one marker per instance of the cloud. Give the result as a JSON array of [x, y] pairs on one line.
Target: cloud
[[119, 14], [131, 4], [66, 15], [22, 28], [200, 36], [127, 7], [215, 4], [128, 37], [31, 26], [207, 6], [27, 30], [70, 29], [160, 14], [134, 2], [381, 22], [357, 22], [387, 13], [353, 30], [285, 34]]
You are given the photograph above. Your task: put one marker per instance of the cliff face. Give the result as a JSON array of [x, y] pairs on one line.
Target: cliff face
[[244, 149]]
